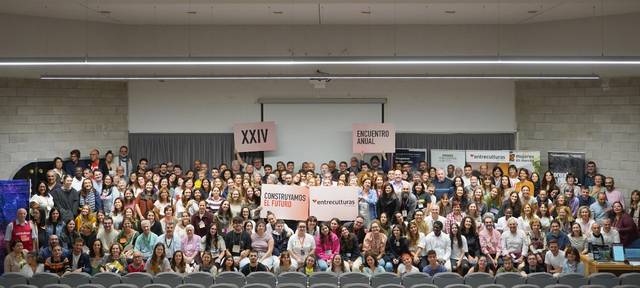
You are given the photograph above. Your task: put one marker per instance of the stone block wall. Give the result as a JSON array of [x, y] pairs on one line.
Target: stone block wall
[[41, 119], [602, 120]]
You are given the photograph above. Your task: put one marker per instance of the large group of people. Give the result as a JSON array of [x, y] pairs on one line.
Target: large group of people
[[107, 214]]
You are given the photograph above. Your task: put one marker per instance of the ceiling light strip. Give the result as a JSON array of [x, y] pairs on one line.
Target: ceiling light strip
[[319, 77], [280, 61]]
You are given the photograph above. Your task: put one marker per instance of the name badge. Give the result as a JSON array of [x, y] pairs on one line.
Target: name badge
[[404, 213], [201, 224], [235, 249], [327, 252]]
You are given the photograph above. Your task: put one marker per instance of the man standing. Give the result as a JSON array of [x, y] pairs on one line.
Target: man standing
[[590, 174], [21, 229], [490, 240], [74, 162], [97, 181], [601, 208], [95, 163], [108, 234], [170, 240], [474, 184], [123, 160], [408, 202], [357, 228], [613, 195], [443, 185], [585, 198], [466, 178], [238, 241], [434, 216], [555, 234], [66, 199], [202, 220], [398, 183]]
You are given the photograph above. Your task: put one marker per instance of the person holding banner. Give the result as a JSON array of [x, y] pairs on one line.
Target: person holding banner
[[367, 199]]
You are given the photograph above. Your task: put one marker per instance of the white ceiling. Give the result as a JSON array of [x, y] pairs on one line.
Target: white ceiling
[[309, 12]]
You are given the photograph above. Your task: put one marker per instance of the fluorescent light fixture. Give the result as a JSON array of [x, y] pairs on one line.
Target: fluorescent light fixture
[[319, 77], [301, 61]]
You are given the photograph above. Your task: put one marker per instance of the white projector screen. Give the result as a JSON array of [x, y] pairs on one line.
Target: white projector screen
[[316, 132]]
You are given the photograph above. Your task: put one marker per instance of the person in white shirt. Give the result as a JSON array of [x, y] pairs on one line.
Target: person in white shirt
[[502, 221], [398, 183], [466, 178], [610, 235], [514, 242], [434, 216], [407, 265], [301, 244], [441, 243], [80, 176], [108, 234], [554, 259]]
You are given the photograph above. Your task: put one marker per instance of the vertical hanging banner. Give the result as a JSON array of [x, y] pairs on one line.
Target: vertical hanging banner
[[14, 194], [562, 163], [287, 202], [492, 158], [373, 138], [258, 136], [329, 202], [525, 159], [442, 158]]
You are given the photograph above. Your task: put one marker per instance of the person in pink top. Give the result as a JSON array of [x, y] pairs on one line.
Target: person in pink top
[[327, 245], [490, 241], [613, 195]]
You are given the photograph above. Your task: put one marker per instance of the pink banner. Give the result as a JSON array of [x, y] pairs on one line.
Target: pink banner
[[287, 202], [374, 138], [259, 136]]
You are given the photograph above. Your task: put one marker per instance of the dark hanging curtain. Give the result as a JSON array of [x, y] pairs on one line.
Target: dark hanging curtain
[[494, 141], [216, 148], [182, 149]]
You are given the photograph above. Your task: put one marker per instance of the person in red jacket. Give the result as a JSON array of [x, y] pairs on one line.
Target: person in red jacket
[[23, 230]]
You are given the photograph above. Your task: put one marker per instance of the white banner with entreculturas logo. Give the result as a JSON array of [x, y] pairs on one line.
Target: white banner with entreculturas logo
[[329, 202]]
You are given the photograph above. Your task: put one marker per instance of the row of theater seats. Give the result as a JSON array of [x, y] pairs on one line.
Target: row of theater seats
[[318, 280]]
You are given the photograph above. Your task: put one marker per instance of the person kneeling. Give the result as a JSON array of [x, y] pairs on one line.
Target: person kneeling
[[434, 266], [254, 265]]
